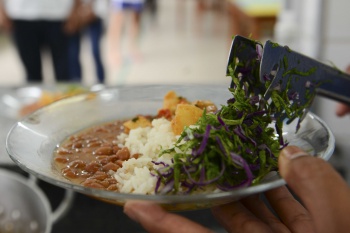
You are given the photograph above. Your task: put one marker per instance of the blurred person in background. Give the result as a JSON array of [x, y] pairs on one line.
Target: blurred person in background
[[38, 24], [120, 9], [91, 21]]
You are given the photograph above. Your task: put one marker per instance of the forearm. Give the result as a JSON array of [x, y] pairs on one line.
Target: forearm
[[5, 21], [2, 8]]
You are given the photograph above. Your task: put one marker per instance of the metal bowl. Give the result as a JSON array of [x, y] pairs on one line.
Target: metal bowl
[[24, 208]]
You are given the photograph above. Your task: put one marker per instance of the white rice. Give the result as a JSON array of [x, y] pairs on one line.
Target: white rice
[[135, 174]]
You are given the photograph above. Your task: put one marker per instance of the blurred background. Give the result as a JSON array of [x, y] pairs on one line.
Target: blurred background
[[188, 41], [178, 42]]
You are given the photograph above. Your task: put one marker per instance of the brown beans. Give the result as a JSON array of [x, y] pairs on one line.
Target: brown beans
[[93, 167], [77, 145], [91, 140], [77, 164], [112, 187], [93, 184], [111, 180], [113, 158], [115, 149], [69, 173], [104, 183], [100, 175], [107, 144], [64, 151], [103, 159], [88, 157], [123, 154], [93, 144], [119, 162], [61, 160], [104, 151], [110, 166], [101, 130]]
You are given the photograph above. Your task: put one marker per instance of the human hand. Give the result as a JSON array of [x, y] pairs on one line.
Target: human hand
[[342, 109], [5, 21], [324, 194], [81, 15], [72, 24]]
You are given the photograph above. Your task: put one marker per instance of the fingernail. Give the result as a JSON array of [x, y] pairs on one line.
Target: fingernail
[[293, 152]]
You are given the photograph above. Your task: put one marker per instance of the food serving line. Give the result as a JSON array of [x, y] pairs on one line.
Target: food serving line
[[80, 213]]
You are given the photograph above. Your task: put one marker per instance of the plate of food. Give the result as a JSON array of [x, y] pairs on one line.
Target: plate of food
[[17, 102], [183, 146], [20, 101]]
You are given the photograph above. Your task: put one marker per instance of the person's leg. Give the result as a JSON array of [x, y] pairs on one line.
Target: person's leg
[[134, 30], [95, 30], [58, 44], [75, 73], [26, 36], [114, 34]]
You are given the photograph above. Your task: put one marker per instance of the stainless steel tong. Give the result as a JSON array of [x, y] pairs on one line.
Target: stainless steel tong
[[279, 62]]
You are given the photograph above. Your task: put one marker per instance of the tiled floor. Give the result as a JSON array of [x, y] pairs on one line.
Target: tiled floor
[[179, 44]]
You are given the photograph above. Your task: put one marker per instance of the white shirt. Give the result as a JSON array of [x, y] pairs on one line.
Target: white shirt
[[38, 9], [100, 8]]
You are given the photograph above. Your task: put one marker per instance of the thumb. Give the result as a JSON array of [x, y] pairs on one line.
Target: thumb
[[321, 189]]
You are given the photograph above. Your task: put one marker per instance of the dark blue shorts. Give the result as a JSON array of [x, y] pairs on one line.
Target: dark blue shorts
[[127, 6]]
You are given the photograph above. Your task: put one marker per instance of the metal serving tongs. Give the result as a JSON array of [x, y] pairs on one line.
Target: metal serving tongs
[[289, 69]]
